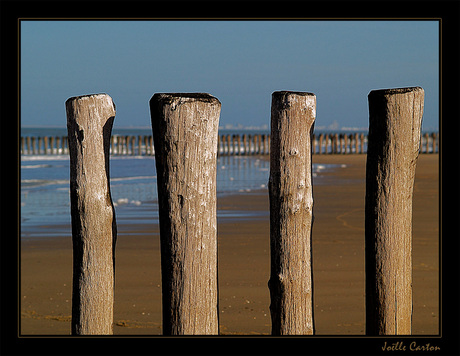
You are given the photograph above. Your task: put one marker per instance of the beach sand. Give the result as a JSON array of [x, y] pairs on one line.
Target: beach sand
[[244, 263]]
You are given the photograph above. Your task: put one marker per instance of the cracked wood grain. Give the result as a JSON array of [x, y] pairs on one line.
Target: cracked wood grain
[[291, 213], [395, 120], [89, 124], [185, 130]]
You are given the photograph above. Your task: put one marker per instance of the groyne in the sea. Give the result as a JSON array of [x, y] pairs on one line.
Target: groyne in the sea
[[228, 144]]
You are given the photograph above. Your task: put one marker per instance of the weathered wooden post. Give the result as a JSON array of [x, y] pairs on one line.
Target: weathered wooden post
[[395, 117], [51, 144], [94, 231], [119, 145], [29, 150], [269, 143], [427, 143], [321, 138], [45, 145], [58, 145], [152, 149], [434, 137], [218, 145], [356, 143], [228, 145], [291, 212], [264, 144], [185, 128], [245, 149]]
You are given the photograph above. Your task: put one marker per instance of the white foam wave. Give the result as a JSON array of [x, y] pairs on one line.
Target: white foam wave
[[120, 179], [31, 166], [45, 158], [41, 182]]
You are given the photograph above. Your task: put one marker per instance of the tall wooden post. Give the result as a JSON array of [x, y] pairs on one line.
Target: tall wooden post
[[395, 118], [45, 145], [228, 145], [291, 212], [185, 128], [434, 136], [427, 136], [29, 150], [94, 231]]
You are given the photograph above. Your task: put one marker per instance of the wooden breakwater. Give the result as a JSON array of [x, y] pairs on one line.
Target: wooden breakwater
[[228, 144]]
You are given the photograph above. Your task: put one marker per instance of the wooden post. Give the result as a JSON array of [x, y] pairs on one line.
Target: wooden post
[[395, 117], [269, 143], [51, 142], [291, 212], [29, 150], [94, 231], [356, 143], [117, 144], [228, 145], [321, 138], [45, 144], [427, 143], [125, 150], [218, 145], [185, 128], [152, 150], [434, 136]]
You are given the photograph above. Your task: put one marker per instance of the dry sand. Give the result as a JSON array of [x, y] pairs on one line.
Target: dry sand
[[244, 263]]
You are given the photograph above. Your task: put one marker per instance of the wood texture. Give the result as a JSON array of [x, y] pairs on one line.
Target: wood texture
[[185, 129], [395, 119], [89, 124], [291, 213]]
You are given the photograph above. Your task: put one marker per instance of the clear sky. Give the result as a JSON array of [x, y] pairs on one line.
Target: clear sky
[[239, 62]]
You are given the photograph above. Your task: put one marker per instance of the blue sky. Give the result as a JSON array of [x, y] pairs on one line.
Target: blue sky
[[239, 62]]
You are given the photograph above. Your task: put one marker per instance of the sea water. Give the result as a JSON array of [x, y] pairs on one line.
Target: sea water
[[45, 189]]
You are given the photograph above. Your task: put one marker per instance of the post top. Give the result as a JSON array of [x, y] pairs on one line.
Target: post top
[[287, 92], [87, 96], [205, 97], [394, 91]]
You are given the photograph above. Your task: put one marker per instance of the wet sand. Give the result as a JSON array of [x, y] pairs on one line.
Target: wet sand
[[244, 263]]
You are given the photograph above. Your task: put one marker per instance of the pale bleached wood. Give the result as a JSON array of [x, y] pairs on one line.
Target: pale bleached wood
[[395, 119], [291, 213], [89, 124], [185, 128]]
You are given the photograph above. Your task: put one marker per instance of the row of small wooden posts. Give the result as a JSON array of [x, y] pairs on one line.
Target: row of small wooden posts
[[185, 135], [236, 144]]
